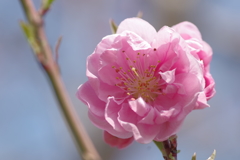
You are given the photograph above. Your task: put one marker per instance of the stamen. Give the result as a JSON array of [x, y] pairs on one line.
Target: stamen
[[134, 70], [140, 79]]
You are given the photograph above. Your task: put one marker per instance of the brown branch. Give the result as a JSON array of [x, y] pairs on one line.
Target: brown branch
[[86, 148], [168, 148]]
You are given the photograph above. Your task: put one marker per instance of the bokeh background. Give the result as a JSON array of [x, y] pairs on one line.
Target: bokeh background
[[31, 124]]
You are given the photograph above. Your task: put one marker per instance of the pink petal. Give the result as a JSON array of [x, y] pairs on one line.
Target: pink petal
[[105, 43], [190, 90], [117, 142], [195, 47], [165, 43], [172, 126], [138, 26], [109, 56], [105, 91], [149, 118], [108, 74], [163, 116], [202, 101], [93, 60], [92, 70], [139, 106], [143, 133], [111, 114], [88, 96], [168, 129], [205, 54], [210, 84], [163, 37], [136, 41], [168, 76], [187, 108], [187, 30], [104, 125], [171, 91]]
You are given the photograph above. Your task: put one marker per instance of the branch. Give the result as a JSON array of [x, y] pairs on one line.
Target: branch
[[57, 48], [168, 148], [45, 57]]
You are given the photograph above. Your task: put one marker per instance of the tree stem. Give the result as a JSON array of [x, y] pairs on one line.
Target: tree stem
[[45, 57], [168, 148]]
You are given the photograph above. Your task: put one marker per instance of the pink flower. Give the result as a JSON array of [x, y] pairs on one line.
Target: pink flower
[[143, 83]]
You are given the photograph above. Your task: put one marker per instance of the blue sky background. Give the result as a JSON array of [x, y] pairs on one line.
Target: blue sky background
[[31, 125]]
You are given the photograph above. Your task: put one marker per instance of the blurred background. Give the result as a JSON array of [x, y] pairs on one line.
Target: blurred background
[[31, 124]]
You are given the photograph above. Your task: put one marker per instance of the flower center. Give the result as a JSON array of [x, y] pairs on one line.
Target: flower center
[[140, 79]]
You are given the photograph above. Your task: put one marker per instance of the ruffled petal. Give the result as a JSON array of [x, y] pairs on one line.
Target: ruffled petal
[[168, 129], [187, 30], [202, 101], [101, 123], [149, 117], [88, 96], [210, 86], [109, 75], [205, 54], [111, 114], [138, 26], [168, 76], [143, 133], [115, 141], [139, 106]]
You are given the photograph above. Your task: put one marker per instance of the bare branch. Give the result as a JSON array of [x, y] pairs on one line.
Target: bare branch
[[57, 48], [45, 57]]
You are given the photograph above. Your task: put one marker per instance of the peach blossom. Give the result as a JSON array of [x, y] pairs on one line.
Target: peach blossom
[[143, 83]]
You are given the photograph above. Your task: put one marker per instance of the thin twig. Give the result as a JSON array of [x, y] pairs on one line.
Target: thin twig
[[57, 48], [86, 148]]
